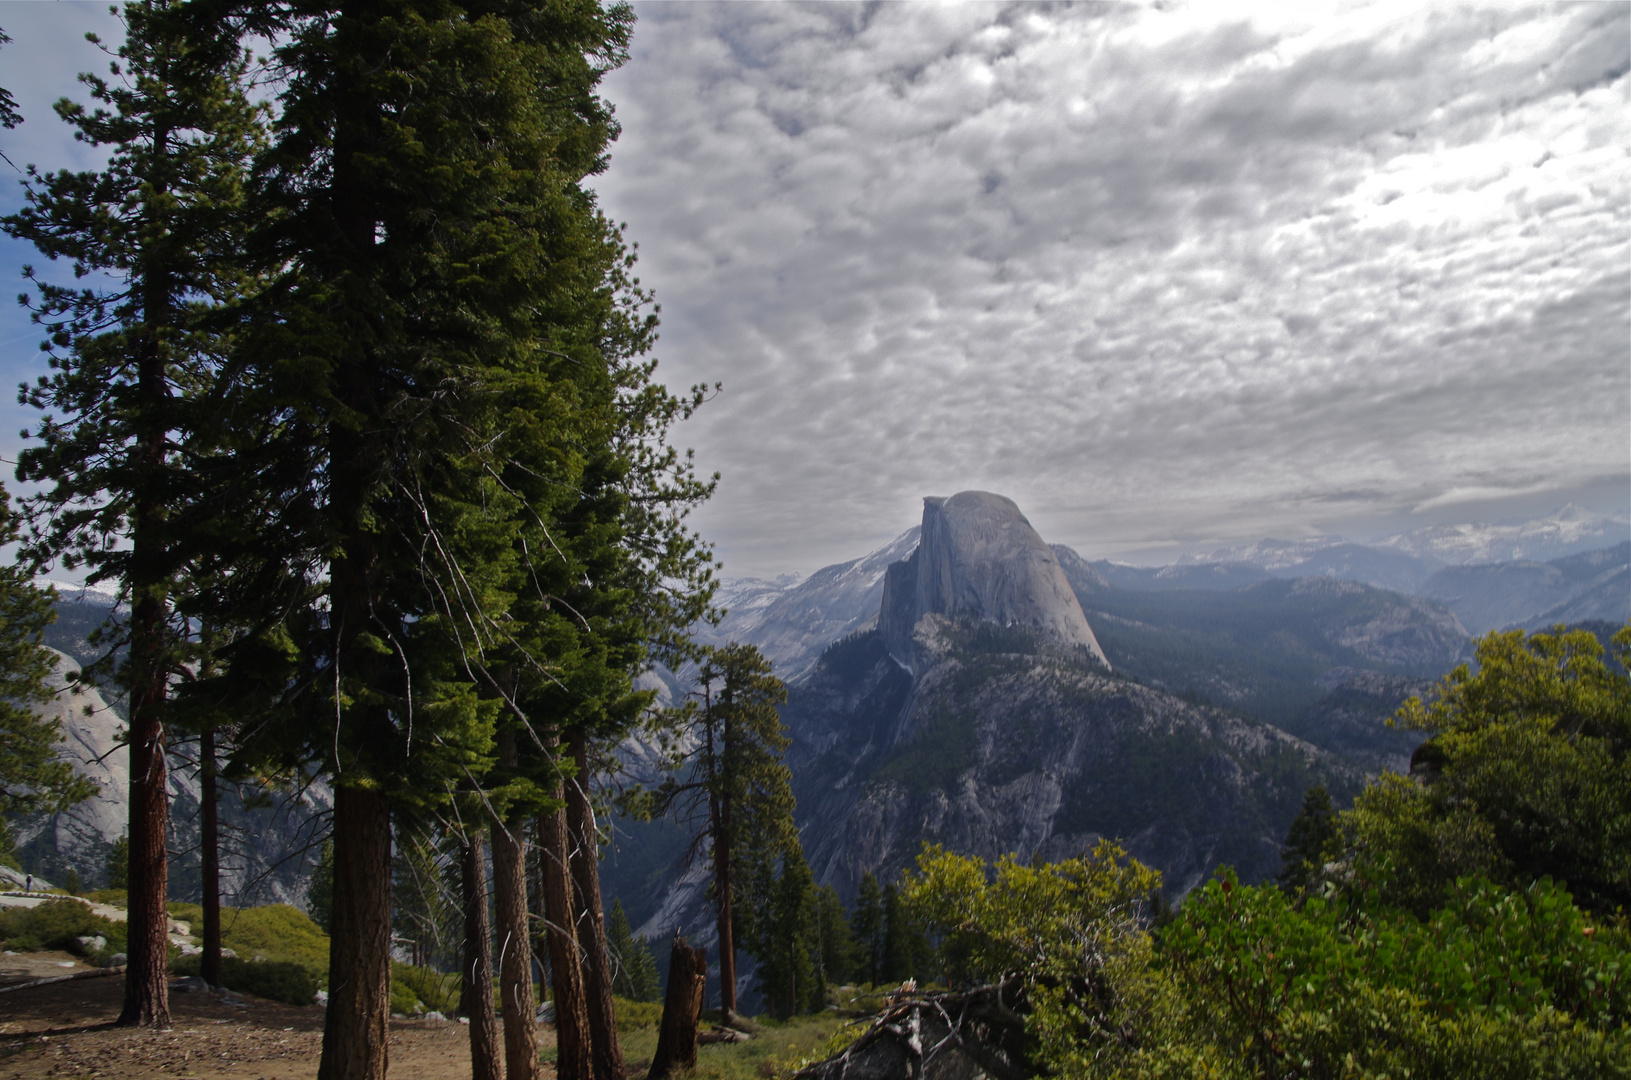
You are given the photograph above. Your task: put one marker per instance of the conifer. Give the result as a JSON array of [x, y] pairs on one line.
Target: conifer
[[734, 789], [135, 366]]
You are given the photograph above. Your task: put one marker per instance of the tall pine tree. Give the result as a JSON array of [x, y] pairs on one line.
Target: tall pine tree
[[136, 366], [731, 784]]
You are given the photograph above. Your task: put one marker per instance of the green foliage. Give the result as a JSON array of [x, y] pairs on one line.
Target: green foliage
[[638, 1015], [906, 952], [788, 945], [32, 779], [1313, 841], [1048, 920], [275, 932], [56, 924], [119, 863], [71, 883], [8, 846], [423, 989], [635, 969], [320, 893], [836, 955], [866, 930], [1322, 988], [274, 980], [1531, 776]]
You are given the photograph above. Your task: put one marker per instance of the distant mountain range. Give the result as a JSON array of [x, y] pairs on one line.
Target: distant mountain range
[[1567, 531]]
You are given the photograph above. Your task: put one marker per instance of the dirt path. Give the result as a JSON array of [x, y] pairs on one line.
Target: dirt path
[[66, 1030]]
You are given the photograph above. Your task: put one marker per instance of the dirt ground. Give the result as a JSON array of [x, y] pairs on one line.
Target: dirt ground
[[66, 1030]]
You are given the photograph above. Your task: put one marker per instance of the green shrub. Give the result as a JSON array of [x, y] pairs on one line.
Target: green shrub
[[436, 991], [273, 932], [110, 897], [274, 980], [56, 925], [637, 1015]]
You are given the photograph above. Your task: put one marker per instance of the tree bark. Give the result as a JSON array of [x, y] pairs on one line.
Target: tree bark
[[515, 952], [359, 996], [572, 1046], [476, 991], [605, 1053], [210, 850], [682, 1009], [722, 900], [147, 986]]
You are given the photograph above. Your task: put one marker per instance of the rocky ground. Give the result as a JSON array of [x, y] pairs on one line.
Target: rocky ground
[[66, 1030]]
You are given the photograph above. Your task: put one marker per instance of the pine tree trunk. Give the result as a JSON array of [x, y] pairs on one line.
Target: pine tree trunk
[[210, 845], [476, 990], [147, 987], [359, 996], [515, 952], [722, 900], [682, 1010], [606, 1054], [572, 1046]]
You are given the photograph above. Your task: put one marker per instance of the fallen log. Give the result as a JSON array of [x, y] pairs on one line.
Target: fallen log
[[94, 973], [945, 1036]]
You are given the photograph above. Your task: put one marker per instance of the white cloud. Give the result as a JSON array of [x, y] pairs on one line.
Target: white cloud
[[1148, 272]]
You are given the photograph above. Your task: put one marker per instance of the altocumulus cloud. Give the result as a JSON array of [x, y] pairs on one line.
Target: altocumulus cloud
[[1150, 272]]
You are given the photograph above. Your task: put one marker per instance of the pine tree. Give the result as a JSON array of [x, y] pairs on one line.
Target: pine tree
[[735, 790], [636, 977], [119, 864], [866, 929], [132, 365], [906, 953], [1314, 839], [789, 946], [837, 954], [320, 891], [32, 779]]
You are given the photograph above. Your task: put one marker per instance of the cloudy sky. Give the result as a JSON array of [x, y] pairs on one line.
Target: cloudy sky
[[1159, 273]]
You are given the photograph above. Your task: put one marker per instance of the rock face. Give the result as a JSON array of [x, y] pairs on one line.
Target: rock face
[[979, 558], [1005, 740], [269, 838]]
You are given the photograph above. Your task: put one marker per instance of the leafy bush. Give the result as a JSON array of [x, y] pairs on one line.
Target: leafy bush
[[414, 986], [57, 924], [274, 980], [273, 932], [1495, 983], [637, 1015], [110, 897]]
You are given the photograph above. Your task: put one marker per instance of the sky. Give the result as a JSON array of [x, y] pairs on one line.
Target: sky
[[1166, 275]]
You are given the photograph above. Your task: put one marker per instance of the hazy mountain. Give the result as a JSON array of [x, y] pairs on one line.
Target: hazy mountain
[[1264, 649], [1575, 588], [1568, 531], [267, 836], [1404, 561]]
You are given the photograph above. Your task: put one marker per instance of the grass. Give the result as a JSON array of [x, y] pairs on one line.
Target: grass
[[776, 1050]]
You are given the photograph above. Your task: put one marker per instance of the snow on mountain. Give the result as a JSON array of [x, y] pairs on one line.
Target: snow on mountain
[[1568, 531]]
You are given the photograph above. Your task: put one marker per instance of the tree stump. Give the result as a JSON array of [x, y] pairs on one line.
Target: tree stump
[[682, 1010]]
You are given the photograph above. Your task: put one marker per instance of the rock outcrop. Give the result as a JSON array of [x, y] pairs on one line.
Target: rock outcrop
[[978, 557]]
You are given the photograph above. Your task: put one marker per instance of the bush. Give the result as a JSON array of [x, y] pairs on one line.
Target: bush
[[273, 932], [58, 924], [637, 1015], [436, 991], [274, 980]]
